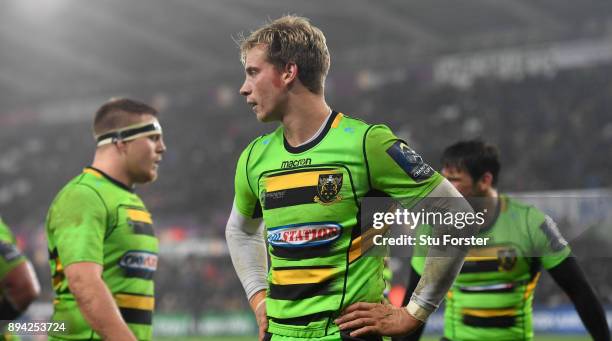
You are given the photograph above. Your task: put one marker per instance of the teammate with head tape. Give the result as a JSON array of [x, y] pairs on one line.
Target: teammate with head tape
[[492, 297], [103, 249], [306, 181]]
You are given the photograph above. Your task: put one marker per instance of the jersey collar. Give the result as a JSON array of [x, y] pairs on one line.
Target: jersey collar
[[315, 141], [93, 170]]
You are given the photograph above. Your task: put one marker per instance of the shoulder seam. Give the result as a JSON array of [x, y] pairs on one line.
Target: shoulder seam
[[97, 194], [365, 154], [246, 164]]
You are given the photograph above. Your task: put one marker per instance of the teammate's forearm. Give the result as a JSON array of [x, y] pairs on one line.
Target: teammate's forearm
[[20, 286], [570, 277], [96, 303], [443, 263], [412, 284]]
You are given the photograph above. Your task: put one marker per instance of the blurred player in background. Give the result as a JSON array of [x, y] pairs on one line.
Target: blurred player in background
[[306, 181], [19, 286], [103, 249], [492, 297]]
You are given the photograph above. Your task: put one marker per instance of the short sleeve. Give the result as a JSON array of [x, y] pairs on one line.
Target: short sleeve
[[10, 256], [548, 243], [396, 169], [78, 225], [245, 199]]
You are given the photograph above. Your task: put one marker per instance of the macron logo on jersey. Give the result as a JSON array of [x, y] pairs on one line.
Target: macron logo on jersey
[[304, 235], [296, 163]]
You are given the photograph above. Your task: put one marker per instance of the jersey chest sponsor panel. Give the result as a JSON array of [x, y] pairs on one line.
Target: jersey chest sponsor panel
[[129, 260], [492, 297], [311, 213]]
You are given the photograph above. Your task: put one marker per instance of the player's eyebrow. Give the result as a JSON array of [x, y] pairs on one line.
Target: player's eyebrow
[[250, 69]]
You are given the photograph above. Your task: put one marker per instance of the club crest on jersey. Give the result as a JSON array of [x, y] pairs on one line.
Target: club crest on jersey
[[328, 189], [303, 235], [506, 259]]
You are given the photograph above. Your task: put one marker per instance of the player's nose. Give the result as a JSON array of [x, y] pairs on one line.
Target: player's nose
[[245, 89]]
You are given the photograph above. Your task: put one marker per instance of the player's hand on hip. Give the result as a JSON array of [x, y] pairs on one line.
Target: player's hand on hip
[[378, 319]]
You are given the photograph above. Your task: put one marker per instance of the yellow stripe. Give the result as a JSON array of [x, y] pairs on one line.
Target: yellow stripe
[[138, 215], [531, 286], [135, 301], [479, 259], [337, 120], [294, 180], [488, 312], [301, 276], [355, 250], [92, 172], [489, 253]]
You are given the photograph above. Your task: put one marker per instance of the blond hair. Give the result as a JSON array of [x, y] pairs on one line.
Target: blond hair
[[292, 39]]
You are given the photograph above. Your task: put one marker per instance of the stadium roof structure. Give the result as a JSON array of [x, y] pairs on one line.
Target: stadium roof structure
[[54, 49]]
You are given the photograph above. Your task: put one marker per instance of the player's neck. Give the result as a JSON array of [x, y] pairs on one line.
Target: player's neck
[[490, 205], [304, 117], [111, 166]]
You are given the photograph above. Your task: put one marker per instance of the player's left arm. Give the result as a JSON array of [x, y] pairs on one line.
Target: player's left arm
[[570, 277], [401, 173], [557, 259]]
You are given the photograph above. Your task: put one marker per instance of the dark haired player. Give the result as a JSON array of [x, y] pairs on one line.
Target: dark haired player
[[492, 296]]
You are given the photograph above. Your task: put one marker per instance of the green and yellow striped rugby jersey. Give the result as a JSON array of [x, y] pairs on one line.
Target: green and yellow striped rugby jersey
[[97, 219], [310, 198], [492, 297]]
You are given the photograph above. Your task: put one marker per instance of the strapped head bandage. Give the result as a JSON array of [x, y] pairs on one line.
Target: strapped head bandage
[[129, 133]]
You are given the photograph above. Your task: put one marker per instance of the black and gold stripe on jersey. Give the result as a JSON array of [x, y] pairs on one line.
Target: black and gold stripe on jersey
[[302, 186], [134, 308], [296, 283], [140, 221], [490, 259]]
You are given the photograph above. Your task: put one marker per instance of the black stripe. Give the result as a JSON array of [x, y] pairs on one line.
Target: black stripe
[[481, 266], [140, 227], [304, 320], [345, 335], [257, 212], [303, 252], [290, 197], [281, 268], [467, 290], [137, 316], [489, 322], [53, 254], [139, 273], [299, 291], [305, 147]]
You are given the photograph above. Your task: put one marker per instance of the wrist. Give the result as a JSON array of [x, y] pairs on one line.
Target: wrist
[[417, 312], [256, 301]]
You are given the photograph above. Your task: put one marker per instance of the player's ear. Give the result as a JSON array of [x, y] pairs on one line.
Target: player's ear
[[486, 181], [290, 73], [121, 146]]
